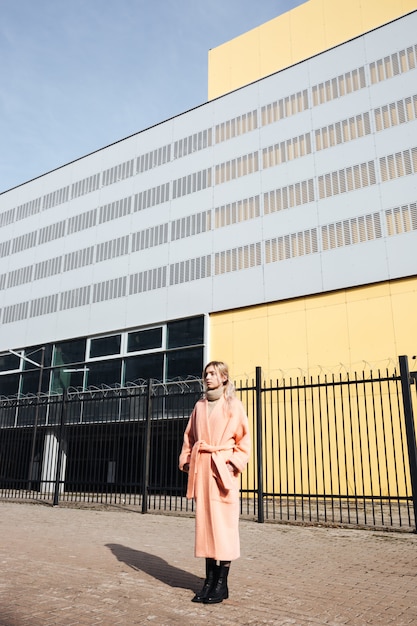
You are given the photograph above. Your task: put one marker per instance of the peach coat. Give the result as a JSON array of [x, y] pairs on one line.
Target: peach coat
[[208, 443]]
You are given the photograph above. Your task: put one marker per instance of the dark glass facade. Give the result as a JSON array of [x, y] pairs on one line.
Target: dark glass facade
[[162, 353]]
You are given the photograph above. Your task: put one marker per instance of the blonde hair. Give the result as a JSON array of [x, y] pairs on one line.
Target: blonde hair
[[222, 370]]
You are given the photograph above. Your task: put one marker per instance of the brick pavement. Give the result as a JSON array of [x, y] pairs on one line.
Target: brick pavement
[[71, 567]]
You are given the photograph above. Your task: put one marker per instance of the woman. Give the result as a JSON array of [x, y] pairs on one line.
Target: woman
[[215, 451]]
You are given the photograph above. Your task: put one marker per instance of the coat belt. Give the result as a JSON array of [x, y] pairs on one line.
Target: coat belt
[[199, 447]]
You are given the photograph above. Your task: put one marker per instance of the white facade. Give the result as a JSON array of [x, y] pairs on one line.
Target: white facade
[[303, 182]]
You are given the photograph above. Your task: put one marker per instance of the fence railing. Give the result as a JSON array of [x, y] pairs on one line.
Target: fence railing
[[327, 451]]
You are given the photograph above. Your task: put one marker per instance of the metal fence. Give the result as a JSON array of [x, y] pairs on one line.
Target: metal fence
[[326, 451]]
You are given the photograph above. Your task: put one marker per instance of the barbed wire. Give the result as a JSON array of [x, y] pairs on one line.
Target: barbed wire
[[189, 384]]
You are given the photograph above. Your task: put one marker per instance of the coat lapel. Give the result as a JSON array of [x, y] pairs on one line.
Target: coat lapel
[[204, 434]]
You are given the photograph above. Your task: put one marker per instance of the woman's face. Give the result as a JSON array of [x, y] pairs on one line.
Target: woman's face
[[212, 378]]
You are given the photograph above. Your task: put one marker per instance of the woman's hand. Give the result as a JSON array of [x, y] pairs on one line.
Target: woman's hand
[[231, 468]]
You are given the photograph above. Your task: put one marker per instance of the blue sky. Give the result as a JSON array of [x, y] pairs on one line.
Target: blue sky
[[78, 75]]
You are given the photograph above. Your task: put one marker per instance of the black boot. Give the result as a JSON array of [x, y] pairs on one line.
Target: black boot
[[211, 578], [220, 591]]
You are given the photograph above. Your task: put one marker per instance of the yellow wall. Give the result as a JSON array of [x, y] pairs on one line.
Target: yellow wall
[[349, 330], [309, 29]]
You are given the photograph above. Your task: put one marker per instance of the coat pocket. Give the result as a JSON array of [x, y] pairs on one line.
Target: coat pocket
[[219, 493]]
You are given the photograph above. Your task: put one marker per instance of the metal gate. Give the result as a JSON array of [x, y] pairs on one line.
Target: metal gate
[[326, 451]]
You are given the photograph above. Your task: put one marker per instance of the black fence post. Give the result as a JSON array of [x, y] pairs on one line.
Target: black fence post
[[410, 430], [146, 448], [59, 455], [35, 426], [259, 450]]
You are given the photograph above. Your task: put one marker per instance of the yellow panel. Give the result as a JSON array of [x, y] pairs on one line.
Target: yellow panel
[[349, 330], [371, 327], [370, 291], [274, 42], [241, 61], [286, 306], [328, 339], [342, 21], [404, 306], [377, 12], [326, 299], [309, 29], [253, 333], [287, 340], [401, 286]]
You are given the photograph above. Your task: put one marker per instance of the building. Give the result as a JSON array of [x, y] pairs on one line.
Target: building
[[274, 225]]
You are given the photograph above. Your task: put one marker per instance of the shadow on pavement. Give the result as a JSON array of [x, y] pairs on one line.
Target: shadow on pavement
[[155, 566]]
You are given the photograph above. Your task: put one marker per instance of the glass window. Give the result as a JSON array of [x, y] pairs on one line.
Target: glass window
[[9, 362], [183, 363], [62, 378], [70, 352], [9, 384], [104, 346], [35, 354], [145, 367], [186, 332], [104, 373], [144, 340], [30, 382]]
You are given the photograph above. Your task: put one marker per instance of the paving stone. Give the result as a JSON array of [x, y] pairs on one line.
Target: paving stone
[[64, 566]]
